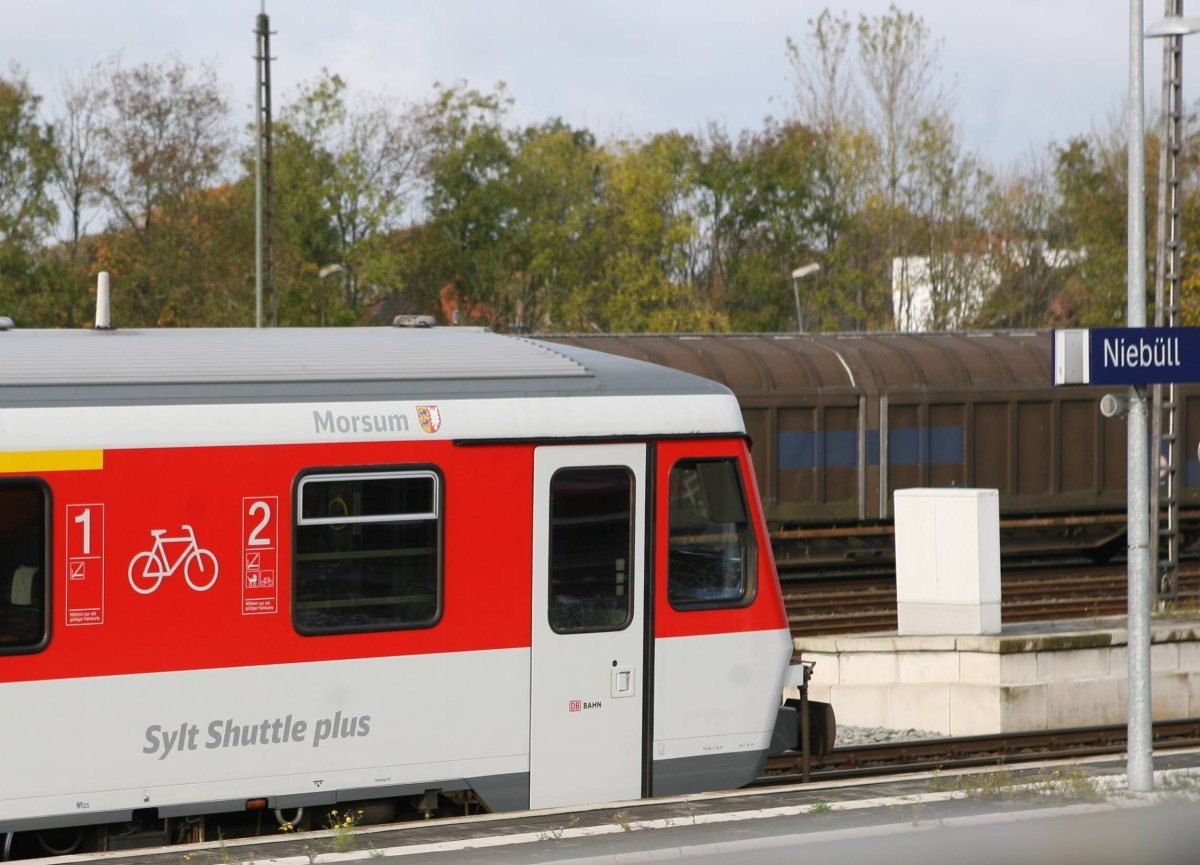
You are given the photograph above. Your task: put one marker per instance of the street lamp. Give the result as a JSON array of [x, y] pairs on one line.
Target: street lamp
[[798, 274], [1139, 735], [1173, 25], [323, 274]]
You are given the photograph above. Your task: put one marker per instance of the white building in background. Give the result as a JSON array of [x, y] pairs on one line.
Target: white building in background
[[965, 283], [912, 295]]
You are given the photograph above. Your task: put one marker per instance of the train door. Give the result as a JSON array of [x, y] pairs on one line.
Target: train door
[[588, 672]]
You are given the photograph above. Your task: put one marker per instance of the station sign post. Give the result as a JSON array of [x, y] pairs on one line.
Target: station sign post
[[1136, 357]]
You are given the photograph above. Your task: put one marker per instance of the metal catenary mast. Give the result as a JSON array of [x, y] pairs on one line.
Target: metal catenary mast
[[264, 281], [1164, 498]]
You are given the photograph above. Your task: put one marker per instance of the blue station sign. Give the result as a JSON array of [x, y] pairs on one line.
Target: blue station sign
[[1126, 355]]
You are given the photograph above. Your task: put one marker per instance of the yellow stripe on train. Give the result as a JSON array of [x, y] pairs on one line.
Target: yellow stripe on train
[[51, 461]]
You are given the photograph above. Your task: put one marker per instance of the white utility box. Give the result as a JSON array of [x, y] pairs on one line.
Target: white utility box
[[948, 561]]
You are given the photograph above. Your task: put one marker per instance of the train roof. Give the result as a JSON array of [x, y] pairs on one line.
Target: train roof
[[185, 364], [72, 389], [771, 364]]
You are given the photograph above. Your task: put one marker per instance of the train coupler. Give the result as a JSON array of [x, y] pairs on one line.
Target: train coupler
[[808, 726]]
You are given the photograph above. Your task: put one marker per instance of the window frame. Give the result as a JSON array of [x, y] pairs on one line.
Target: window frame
[[750, 553], [366, 473], [38, 485], [630, 569]]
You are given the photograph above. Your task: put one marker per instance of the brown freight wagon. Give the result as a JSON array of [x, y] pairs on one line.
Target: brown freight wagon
[[842, 421]]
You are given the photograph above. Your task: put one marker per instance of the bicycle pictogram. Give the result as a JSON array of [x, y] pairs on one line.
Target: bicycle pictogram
[[148, 568]]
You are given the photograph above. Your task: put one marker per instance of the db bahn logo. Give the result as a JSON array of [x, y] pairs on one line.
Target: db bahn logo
[[429, 417]]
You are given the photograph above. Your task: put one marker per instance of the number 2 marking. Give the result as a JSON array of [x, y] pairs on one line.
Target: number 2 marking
[[265, 510]]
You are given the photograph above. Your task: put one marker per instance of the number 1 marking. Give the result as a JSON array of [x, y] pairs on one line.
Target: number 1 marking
[[84, 518]]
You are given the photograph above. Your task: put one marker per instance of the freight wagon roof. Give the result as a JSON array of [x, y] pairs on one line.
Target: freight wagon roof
[[762, 364], [90, 365]]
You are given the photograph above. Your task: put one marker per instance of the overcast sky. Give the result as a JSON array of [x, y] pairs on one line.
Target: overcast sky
[[1023, 73]]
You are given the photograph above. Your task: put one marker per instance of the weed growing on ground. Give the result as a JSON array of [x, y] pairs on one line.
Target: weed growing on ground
[[222, 850], [1180, 608], [918, 807], [1180, 787], [1071, 783], [988, 786], [343, 825], [309, 851], [556, 833], [820, 808]]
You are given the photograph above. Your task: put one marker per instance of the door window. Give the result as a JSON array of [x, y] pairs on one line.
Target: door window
[[591, 549]]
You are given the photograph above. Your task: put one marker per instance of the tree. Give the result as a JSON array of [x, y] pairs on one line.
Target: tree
[[648, 223], [164, 147], [829, 102], [1033, 252], [554, 181], [76, 182], [462, 252], [899, 67], [944, 210], [346, 177], [760, 216], [1090, 174], [887, 149], [27, 213]]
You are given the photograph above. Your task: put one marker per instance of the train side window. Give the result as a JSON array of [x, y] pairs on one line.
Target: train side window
[[711, 548], [24, 589], [591, 549], [368, 551]]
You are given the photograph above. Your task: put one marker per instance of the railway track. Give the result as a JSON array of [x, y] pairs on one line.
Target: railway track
[[855, 602], [1008, 749]]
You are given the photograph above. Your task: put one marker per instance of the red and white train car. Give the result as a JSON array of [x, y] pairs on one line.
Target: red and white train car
[[300, 567]]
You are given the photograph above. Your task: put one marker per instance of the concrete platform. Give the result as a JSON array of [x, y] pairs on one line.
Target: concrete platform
[[1027, 677], [784, 822]]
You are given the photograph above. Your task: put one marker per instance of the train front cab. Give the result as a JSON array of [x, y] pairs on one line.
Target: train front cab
[[692, 707]]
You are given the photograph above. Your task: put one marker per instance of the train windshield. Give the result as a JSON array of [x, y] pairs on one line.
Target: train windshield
[[22, 565], [711, 545]]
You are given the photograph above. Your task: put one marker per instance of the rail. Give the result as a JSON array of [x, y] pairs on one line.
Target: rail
[[922, 755], [860, 603]]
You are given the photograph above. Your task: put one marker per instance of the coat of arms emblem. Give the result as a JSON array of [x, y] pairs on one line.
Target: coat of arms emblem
[[429, 417]]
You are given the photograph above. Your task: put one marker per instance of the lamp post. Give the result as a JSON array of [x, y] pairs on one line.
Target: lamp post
[[1139, 735], [798, 274], [1139, 746], [323, 274]]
